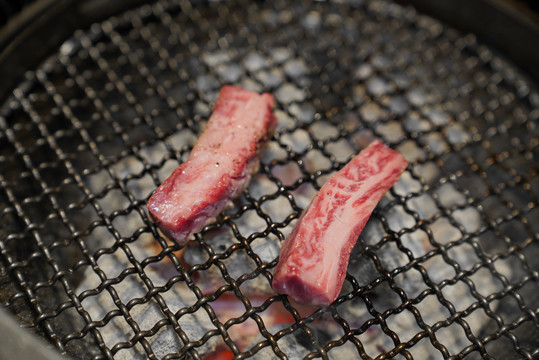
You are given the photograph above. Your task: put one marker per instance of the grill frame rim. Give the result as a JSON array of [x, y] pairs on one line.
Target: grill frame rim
[[21, 42]]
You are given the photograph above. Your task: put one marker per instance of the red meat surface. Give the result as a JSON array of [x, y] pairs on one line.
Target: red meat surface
[[314, 257], [219, 166]]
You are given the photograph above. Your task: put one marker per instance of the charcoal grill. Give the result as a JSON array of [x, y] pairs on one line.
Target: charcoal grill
[[447, 266]]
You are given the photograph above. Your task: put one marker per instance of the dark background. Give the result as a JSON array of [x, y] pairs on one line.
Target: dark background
[[8, 8]]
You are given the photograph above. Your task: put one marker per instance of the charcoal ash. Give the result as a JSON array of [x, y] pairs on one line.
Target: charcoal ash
[[460, 256], [166, 340], [298, 344]]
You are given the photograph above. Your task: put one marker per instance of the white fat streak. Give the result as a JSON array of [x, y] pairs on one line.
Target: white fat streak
[[337, 234]]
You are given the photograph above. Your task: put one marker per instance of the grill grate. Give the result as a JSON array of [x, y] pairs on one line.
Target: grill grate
[[446, 267]]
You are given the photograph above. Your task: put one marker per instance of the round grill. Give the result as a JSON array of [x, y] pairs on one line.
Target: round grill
[[447, 266]]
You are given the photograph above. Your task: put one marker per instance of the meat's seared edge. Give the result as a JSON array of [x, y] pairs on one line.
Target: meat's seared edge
[[219, 166], [314, 257]]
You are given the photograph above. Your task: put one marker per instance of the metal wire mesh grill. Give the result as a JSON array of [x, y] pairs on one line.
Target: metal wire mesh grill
[[447, 266]]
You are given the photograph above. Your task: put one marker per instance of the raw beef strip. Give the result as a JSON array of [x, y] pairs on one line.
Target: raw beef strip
[[314, 257], [219, 166]]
